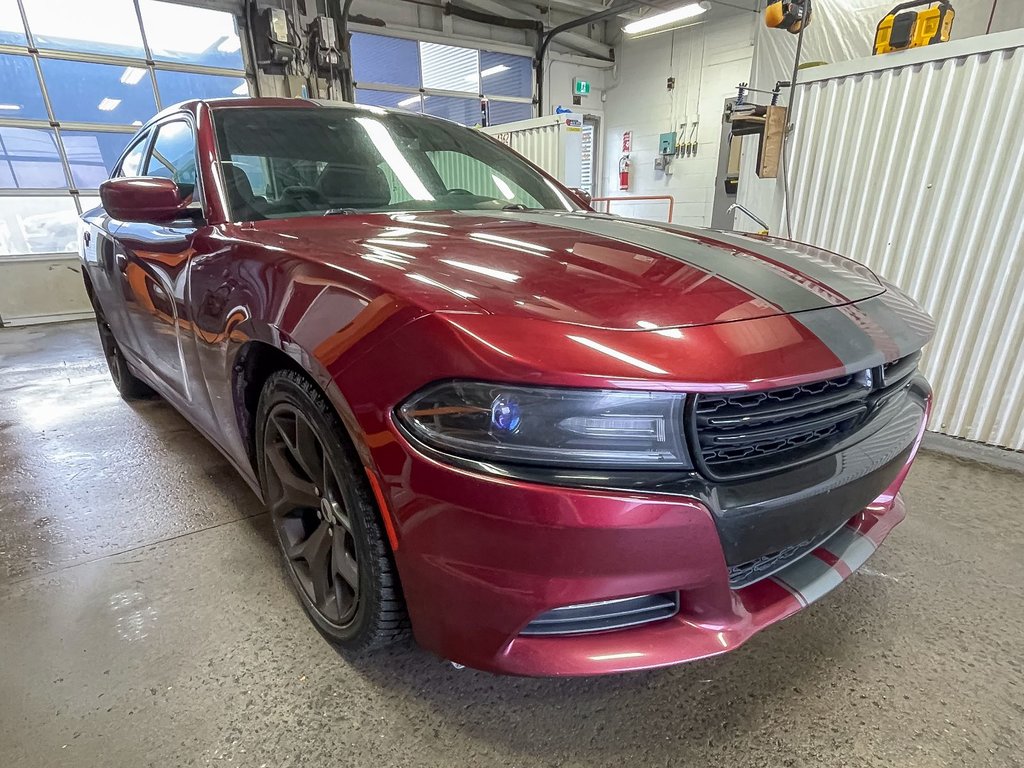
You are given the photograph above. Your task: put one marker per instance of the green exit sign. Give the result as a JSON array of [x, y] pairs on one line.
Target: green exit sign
[[581, 87]]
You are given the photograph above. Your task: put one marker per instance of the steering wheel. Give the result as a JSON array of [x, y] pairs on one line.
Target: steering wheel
[[460, 191]]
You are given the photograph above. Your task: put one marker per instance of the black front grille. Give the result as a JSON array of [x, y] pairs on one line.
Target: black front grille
[[605, 615], [750, 433]]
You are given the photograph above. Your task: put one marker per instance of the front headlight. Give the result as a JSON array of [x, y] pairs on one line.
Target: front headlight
[[545, 425]]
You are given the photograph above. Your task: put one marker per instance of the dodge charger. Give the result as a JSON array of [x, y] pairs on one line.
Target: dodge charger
[[540, 439]]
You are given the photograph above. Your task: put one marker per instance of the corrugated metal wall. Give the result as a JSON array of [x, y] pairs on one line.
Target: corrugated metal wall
[[918, 171], [539, 145]]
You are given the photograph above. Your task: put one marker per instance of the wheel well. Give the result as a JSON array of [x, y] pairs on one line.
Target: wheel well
[[89, 290], [253, 366]]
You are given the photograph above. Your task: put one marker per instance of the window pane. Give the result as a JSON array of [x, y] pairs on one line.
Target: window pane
[[19, 89], [92, 155], [182, 86], [29, 159], [465, 111], [508, 111], [407, 101], [193, 35], [319, 159], [391, 60], [12, 32], [88, 202], [98, 26], [173, 155], [98, 93], [449, 68], [38, 225], [502, 74], [132, 165]]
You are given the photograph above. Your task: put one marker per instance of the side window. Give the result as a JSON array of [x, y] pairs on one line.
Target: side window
[[173, 155], [132, 163]]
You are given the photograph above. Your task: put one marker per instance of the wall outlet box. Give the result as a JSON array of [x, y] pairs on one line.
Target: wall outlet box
[[667, 143]]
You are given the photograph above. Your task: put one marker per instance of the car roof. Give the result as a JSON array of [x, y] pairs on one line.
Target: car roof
[[231, 102]]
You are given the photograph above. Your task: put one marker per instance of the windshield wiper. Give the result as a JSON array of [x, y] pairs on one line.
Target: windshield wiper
[[340, 211], [514, 207]]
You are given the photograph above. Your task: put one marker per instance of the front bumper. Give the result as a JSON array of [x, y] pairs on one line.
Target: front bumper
[[481, 556]]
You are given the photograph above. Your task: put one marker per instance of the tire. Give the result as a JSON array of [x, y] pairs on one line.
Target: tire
[[335, 553], [128, 385]]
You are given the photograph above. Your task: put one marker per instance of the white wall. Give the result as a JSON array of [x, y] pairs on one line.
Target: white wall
[[707, 60]]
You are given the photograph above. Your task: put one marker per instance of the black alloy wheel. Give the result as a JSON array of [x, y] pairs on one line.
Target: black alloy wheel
[[326, 520], [128, 385]]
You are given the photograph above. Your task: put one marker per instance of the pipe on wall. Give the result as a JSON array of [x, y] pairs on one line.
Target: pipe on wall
[[592, 18]]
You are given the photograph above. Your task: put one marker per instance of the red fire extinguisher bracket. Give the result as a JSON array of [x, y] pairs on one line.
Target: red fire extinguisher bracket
[[624, 172]]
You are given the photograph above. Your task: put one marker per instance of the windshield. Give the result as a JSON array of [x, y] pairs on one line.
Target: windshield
[[284, 162]]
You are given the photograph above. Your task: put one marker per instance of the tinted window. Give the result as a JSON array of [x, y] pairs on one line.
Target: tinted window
[[379, 59], [98, 93], [173, 155], [92, 154], [351, 160], [29, 158], [182, 86], [19, 89]]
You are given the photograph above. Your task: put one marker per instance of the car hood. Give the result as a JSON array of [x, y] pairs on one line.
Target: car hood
[[588, 269]]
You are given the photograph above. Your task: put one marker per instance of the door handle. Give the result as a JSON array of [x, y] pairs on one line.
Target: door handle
[[87, 238]]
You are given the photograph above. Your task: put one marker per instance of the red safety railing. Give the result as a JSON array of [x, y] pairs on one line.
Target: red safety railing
[[634, 198]]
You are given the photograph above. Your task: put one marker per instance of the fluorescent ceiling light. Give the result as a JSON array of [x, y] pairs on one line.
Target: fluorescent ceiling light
[[10, 107], [242, 90], [230, 45], [108, 104], [132, 75], [408, 102], [681, 13]]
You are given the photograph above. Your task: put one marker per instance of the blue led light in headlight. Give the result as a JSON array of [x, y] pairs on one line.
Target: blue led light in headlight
[[505, 413]]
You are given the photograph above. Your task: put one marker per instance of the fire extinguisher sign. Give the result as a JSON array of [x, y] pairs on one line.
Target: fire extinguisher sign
[[627, 141]]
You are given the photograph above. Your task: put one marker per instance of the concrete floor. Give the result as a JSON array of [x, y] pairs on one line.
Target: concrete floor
[[144, 620]]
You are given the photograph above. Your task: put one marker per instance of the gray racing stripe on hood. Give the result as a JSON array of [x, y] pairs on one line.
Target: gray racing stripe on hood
[[846, 277], [787, 290]]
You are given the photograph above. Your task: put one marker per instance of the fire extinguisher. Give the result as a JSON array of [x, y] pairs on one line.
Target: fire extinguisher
[[624, 172]]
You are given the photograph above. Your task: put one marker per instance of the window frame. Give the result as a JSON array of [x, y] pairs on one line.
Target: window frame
[[143, 137]]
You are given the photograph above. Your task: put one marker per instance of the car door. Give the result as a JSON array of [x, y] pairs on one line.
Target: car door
[[153, 263], [105, 259]]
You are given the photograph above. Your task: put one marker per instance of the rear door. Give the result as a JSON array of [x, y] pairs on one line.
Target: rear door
[[154, 270]]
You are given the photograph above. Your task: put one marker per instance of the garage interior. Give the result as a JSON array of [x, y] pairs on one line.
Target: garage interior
[[144, 616]]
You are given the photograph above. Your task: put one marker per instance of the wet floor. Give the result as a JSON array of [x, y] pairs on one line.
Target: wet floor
[[144, 620]]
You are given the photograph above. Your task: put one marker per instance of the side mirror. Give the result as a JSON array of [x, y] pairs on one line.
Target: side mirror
[[143, 198], [583, 195]]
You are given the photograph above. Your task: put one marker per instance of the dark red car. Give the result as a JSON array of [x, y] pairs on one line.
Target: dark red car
[[549, 441]]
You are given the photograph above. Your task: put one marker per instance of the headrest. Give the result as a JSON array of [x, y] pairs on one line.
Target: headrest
[[238, 186], [355, 186]]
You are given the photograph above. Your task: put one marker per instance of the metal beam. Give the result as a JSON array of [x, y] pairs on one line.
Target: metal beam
[[572, 40]]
